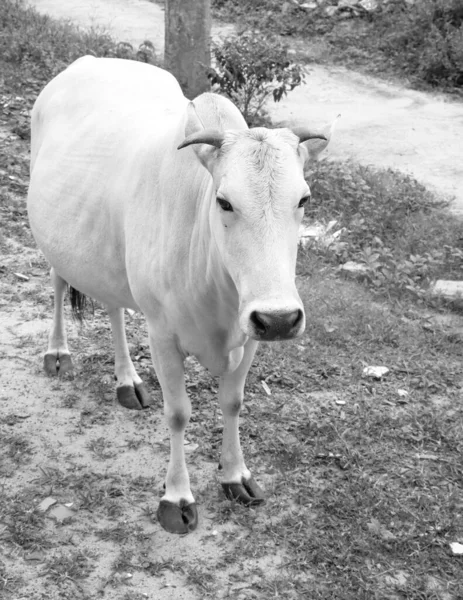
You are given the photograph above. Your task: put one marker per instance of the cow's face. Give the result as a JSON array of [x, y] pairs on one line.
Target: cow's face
[[260, 196], [260, 192]]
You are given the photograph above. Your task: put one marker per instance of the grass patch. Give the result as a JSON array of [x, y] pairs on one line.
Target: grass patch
[[71, 566], [23, 527], [403, 235], [370, 489]]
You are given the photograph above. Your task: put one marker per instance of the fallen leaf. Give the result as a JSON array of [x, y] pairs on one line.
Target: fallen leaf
[[21, 276], [46, 503], [61, 512], [191, 447], [266, 388]]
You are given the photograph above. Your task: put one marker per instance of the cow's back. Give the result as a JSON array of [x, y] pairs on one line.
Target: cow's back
[[103, 94], [92, 127]]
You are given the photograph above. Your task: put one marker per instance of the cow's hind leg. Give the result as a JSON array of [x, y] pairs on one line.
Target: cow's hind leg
[[237, 481], [131, 392], [177, 512], [57, 358]]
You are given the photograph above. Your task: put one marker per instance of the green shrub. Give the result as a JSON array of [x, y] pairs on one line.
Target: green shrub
[[251, 67]]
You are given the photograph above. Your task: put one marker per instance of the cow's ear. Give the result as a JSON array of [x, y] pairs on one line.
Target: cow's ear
[[315, 145], [205, 142]]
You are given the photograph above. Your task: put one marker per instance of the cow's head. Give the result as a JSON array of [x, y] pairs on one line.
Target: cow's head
[[260, 192]]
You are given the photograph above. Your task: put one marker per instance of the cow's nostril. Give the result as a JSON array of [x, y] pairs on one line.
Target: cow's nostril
[[295, 318], [259, 322]]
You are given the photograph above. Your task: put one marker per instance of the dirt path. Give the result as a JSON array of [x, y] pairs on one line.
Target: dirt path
[[382, 124]]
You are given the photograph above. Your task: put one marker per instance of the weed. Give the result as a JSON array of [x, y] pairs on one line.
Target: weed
[[70, 400], [9, 582], [120, 533], [100, 448], [24, 526], [203, 579], [15, 447], [73, 565], [134, 595]]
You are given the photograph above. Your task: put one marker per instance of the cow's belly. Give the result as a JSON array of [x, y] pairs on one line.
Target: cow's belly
[[78, 231]]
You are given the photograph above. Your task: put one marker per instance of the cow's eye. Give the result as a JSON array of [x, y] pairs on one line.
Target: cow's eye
[[303, 201], [225, 205]]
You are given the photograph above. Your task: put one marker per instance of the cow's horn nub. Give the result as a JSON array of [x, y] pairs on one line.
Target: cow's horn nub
[[305, 134], [213, 137]]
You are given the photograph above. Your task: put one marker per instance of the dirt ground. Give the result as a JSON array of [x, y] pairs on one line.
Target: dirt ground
[[382, 124]]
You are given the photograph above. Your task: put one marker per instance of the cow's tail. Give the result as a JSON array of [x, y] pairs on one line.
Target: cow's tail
[[78, 303]]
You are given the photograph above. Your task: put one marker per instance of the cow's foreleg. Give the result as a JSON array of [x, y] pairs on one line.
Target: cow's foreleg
[[131, 392], [237, 481], [57, 358], [177, 512]]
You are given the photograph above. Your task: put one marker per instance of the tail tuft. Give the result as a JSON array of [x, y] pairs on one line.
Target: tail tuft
[[78, 303]]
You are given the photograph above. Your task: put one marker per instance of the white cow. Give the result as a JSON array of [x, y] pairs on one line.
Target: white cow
[[201, 240]]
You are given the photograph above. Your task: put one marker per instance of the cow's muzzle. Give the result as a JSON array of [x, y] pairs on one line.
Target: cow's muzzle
[[276, 325]]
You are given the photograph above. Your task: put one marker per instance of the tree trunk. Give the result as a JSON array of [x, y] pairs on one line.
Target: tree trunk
[[187, 44]]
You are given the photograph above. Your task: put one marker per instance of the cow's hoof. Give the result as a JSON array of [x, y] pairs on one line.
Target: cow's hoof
[[248, 492], [133, 397], [143, 396], [177, 519], [65, 364], [57, 365]]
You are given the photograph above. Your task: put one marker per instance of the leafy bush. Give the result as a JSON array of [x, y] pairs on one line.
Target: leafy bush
[[251, 67], [427, 38]]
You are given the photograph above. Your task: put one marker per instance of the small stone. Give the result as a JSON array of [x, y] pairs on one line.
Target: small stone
[[375, 372], [448, 289], [456, 548]]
